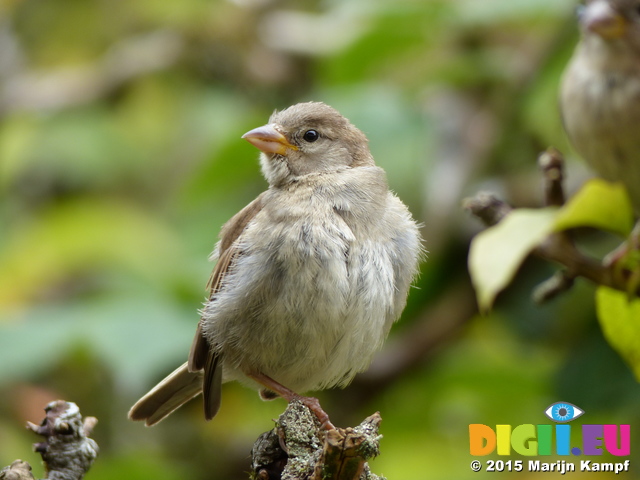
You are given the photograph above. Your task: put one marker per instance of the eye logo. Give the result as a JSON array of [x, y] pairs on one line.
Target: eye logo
[[562, 412]]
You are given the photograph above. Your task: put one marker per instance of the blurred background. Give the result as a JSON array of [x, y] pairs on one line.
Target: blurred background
[[121, 157]]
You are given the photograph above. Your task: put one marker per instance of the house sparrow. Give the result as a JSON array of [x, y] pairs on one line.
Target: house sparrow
[[309, 277], [600, 92]]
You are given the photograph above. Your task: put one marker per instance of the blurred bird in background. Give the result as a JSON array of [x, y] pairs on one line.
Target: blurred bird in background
[[600, 95]]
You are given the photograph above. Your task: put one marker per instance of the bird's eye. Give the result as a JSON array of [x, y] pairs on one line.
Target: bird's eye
[[563, 412], [311, 136]]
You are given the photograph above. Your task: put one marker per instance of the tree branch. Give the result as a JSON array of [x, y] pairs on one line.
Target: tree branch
[[18, 470], [558, 247], [298, 449], [67, 451]]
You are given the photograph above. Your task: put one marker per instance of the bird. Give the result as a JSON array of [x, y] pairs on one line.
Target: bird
[[600, 92], [310, 276]]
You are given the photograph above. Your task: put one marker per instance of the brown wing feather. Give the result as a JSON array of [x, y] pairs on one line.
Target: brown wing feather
[[200, 347], [189, 379], [201, 355], [212, 386]]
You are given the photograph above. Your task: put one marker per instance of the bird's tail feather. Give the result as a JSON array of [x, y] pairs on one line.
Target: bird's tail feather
[[175, 390]]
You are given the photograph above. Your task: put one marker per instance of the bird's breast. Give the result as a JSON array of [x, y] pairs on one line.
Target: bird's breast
[[307, 285], [601, 113]]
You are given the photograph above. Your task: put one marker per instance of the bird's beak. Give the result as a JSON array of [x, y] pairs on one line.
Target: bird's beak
[[599, 17], [268, 140]]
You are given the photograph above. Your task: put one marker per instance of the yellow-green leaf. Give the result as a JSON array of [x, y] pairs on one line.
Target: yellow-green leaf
[[598, 204], [496, 253], [619, 317]]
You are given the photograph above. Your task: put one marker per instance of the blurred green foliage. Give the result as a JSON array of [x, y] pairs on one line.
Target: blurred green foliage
[[121, 157]]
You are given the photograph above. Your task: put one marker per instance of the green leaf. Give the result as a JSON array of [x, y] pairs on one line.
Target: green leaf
[[598, 204], [496, 253], [619, 318]]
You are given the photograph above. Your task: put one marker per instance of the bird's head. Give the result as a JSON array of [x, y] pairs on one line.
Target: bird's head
[[614, 21], [306, 139]]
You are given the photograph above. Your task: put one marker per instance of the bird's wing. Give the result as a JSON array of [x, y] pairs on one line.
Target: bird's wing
[[201, 355]]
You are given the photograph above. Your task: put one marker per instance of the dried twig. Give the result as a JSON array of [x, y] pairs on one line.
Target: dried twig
[[551, 163], [18, 470], [67, 451], [298, 449]]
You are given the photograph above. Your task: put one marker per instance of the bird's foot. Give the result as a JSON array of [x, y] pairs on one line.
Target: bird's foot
[[311, 403]]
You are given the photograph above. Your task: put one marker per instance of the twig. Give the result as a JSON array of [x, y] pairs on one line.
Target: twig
[[487, 207], [558, 247], [493, 210], [551, 163], [298, 449], [552, 287], [345, 451], [18, 470], [67, 451]]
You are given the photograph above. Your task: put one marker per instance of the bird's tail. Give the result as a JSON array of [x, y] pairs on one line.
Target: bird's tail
[[175, 390]]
